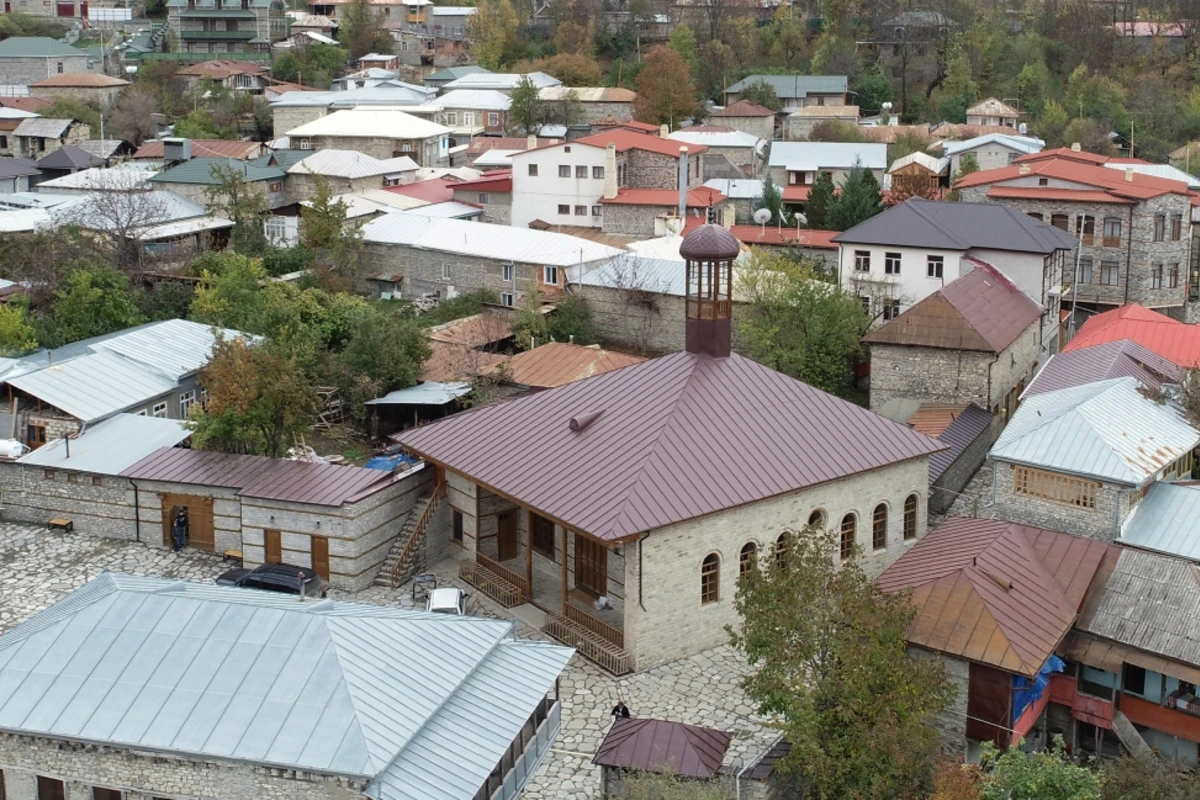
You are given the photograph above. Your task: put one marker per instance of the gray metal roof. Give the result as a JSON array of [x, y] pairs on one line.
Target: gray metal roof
[[423, 705], [1107, 430], [112, 445], [814, 156], [1019, 144], [94, 386], [1167, 520], [174, 347], [1123, 358], [958, 226], [790, 87], [958, 436], [431, 393], [43, 127], [17, 167], [36, 47]]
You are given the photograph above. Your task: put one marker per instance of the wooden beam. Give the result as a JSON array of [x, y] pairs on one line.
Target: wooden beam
[[529, 550], [564, 572]]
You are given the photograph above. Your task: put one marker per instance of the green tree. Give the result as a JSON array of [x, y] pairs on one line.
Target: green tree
[[572, 321], [525, 113], [828, 652], [78, 110], [762, 93], [772, 200], [166, 300], [384, 352], [717, 62], [789, 36], [1053, 124], [967, 165], [334, 242], [286, 260], [493, 29], [200, 124], [799, 323], [96, 300], [664, 89], [820, 201], [836, 55], [17, 334], [228, 294], [683, 43], [529, 326], [637, 785], [314, 65], [858, 201], [231, 197], [874, 89], [1017, 775], [360, 30]]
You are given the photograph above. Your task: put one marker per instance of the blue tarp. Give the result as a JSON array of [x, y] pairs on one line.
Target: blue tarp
[[390, 463], [1025, 693]]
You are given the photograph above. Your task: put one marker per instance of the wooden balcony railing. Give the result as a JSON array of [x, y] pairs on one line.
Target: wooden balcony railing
[[605, 631], [418, 533], [569, 630], [490, 584], [520, 582]]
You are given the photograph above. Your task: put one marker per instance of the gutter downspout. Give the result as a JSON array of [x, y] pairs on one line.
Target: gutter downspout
[[640, 605], [137, 513]]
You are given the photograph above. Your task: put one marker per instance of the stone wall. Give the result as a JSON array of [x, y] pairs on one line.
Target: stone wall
[[227, 512], [645, 322], [143, 776], [99, 505], [951, 722], [288, 118], [303, 186], [17, 71], [647, 170], [667, 620], [1102, 522], [102, 95], [961, 470], [594, 112], [425, 152], [631, 220]]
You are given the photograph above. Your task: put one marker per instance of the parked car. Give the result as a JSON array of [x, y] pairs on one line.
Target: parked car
[[284, 578], [447, 601]]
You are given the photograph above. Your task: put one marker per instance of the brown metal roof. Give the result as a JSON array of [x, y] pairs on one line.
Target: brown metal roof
[[557, 363], [202, 148], [994, 591], [710, 243], [983, 310], [677, 437], [80, 80], [656, 745], [260, 477]]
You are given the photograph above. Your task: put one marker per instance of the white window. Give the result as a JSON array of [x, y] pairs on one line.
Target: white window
[[506, 298], [493, 118], [445, 272], [305, 144], [862, 260], [275, 229], [550, 276], [506, 273], [451, 117], [160, 410], [891, 263], [186, 401], [934, 266], [564, 170]]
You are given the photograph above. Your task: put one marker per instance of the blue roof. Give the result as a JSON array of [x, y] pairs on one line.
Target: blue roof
[[1167, 521]]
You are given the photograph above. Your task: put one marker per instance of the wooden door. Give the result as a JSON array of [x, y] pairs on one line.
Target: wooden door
[[200, 519], [320, 556], [273, 546], [506, 536], [36, 436], [591, 566]]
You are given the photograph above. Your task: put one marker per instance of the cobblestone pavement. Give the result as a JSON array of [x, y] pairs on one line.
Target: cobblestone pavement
[[38, 567]]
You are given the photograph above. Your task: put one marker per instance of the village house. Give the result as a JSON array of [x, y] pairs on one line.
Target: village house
[[597, 105], [795, 91], [993, 112], [37, 136], [966, 431], [10, 118], [16, 174], [748, 117], [991, 150], [1170, 339], [66, 161], [438, 80], [294, 108], [90, 87], [976, 340], [345, 172], [472, 112], [1121, 358], [572, 519], [660, 747], [154, 150], [795, 166], [729, 153], [919, 174], [381, 133], [1134, 229], [28, 59], [798, 125], [899, 257], [504, 82], [227, 26], [195, 177], [492, 193], [646, 213], [309, 700]]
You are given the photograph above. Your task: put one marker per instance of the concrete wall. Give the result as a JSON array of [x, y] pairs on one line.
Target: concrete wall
[[675, 624], [426, 152], [196, 191], [989, 156], [143, 776], [1102, 522], [99, 505], [20, 70], [539, 196], [303, 186]]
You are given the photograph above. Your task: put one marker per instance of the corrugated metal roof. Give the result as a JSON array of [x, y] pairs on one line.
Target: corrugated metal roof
[[370, 122], [994, 591], [1175, 341], [653, 275], [1159, 171], [744, 108], [558, 363], [43, 127], [793, 86], [390, 93], [676, 437], [1020, 144], [94, 386], [737, 188], [451, 209], [17, 167], [350, 164], [335, 688], [1067, 167], [523, 246], [82, 80], [431, 393], [1107, 430], [1167, 520], [934, 165], [36, 47], [273, 166], [656, 745], [485, 99], [1123, 358], [962, 431], [111, 446], [174, 347], [814, 156], [500, 80], [716, 138]]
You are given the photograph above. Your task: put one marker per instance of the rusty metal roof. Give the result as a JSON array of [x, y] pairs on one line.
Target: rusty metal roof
[[656, 745], [1123, 358], [676, 437], [557, 363], [957, 433], [994, 591], [260, 477], [983, 311]]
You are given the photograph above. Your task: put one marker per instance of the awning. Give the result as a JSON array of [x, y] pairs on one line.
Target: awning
[[430, 393], [171, 230]]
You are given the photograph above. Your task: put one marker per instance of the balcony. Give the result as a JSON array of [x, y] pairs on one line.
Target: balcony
[[1097, 711], [1184, 724], [232, 13], [218, 35]]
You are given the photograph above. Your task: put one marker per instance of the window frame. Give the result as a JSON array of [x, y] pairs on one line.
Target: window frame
[[537, 534], [747, 558], [507, 272], [1085, 228], [485, 198], [508, 299], [581, 172], [1159, 229], [911, 509], [1065, 219], [1173, 275], [564, 209], [1086, 269], [186, 401], [710, 579], [892, 263], [1110, 273], [1054, 487], [456, 526], [533, 170], [581, 211], [891, 310], [550, 275], [782, 546], [445, 271], [862, 260], [1111, 232], [597, 211], [1176, 227], [935, 267], [1156, 275], [879, 525], [493, 118], [847, 527], [564, 170], [597, 173], [157, 407]]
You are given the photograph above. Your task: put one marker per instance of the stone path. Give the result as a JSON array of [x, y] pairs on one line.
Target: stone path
[[39, 567]]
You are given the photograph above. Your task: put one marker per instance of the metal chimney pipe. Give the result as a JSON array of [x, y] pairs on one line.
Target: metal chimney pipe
[[683, 184]]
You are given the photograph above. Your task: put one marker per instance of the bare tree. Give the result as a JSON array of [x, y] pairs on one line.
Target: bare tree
[[132, 118], [640, 296], [118, 213], [879, 296]]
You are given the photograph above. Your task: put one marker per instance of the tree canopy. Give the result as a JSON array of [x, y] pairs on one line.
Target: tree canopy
[[664, 89], [95, 300], [858, 200]]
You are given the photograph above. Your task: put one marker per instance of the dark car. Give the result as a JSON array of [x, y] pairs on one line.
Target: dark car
[[277, 578]]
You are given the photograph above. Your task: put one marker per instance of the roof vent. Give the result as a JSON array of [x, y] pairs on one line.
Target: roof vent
[[1129, 174], [1075, 147], [1003, 583], [580, 423], [1024, 170]]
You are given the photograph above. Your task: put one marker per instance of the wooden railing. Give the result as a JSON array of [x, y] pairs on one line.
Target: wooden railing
[[418, 532], [520, 582], [589, 643], [490, 583], [601, 629]]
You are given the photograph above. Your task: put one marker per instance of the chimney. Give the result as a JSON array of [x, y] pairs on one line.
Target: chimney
[[530, 141], [1024, 169], [1129, 174], [1075, 148], [683, 181], [610, 171], [728, 215], [663, 130]]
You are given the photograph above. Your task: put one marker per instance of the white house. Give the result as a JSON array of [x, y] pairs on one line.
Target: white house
[[381, 133], [798, 164], [991, 150]]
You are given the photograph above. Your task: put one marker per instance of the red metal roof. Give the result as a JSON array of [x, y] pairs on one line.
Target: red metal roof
[[744, 108], [701, 197], [994, 591], [481, 144], [631, 140], [655, 745], [222, 68], [1175, 341], [558, 363], [1105, 179], [677, 437], [755, 234], [435, 190], [1082, 156], [34, 105], [1047, 193], [796, 194], [498, 181], [260, 477], [631, 125]]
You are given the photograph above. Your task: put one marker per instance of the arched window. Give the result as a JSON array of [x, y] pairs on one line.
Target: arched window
[[710, 579], [781, 549], [849, 532], [879, 527], [910, 517], [748, 559], [816, 519]]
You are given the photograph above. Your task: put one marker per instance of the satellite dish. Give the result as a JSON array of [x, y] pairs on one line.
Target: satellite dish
[[762, 216], [803, 220], [886, 106]]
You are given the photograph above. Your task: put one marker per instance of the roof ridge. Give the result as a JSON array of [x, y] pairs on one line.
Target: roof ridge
[[916, 205], [91, 592]]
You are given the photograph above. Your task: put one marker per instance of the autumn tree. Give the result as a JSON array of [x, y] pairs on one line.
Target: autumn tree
[[827, 652], [1130, 778], [717, 62], [493, 28], [18, 337], [233, 198], [313, 65], [573, 69], [664, 89], [789, 36], [797, 322], [132, 118]]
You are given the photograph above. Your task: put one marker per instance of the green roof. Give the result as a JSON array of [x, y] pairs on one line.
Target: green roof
[[199, 170], [36, 47]]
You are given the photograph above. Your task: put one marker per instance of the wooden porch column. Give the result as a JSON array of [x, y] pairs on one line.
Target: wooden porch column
[[529, 550], [564, 579]]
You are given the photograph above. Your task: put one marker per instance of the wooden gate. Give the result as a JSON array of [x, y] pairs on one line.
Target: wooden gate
[[273, 547], [506, 536], [200, 519], [591, 565]]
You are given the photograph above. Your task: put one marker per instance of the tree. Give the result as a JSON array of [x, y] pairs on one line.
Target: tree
[[790, 36], [858, 201], [116, 214], [636, 785], [1017, 775], [683, 42], [529, 326], [1053, 124], [95, 300], [664, 89], [967, 164], [1130, 778], [717, 62], [762, 93], [572, 321], [525, 113], [78, 110], [836, 55], [771, 200], [313, 65], [334, 242], [231, 197], [575, 38], [828, 653], [493, 29], [820, 201], [17, 335], [132, 118], [200, 124], [384, 352], [259, 399], [228, 295], [360, 30], [798, 323], [835, 130], [873, 90], [166, 300], [572, 69]]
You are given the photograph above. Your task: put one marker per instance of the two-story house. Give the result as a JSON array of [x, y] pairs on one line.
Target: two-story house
[[992, 112], [471, 112], [28, 59], [990, 150], [795, 91], [1133, 229], [381, 133], [795, 166], [226, 26], [233, 74]]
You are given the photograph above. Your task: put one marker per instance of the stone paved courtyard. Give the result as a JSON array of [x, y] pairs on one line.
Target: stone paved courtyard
[[38, 567]]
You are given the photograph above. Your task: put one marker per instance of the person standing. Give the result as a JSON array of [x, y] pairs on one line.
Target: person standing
[[179, 530], [620, 711]]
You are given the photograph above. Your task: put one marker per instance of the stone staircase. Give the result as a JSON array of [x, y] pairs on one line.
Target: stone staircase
[[397, 550]]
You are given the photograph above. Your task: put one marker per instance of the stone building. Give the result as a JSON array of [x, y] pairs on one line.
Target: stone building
[[474, 112], [795, 166], [729, 153], [595, 104], [345, 172], [492, 193], [36, 137], [90, 87], [643, 213], [799, 124], [29, 59], [196, 177], [795, 91], [977, 340], [748, 117], [381, 133], [966, 431], [230, 692], [1134, 228], [227, 26], [557, 498]]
